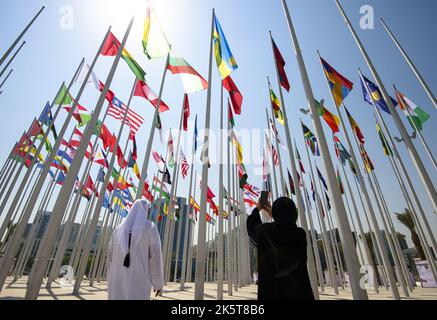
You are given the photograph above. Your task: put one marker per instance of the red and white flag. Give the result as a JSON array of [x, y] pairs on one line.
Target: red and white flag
[[184, 165], [117, 110]]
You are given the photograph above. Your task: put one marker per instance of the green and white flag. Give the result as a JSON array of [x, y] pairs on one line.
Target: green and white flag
[[415, 115]]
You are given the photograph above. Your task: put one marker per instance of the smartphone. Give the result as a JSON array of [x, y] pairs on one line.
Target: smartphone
[[264, 199]]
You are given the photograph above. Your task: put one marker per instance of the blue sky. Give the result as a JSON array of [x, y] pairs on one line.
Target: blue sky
[[52, 53]]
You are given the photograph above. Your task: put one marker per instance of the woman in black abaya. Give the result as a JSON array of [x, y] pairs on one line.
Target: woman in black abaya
[[282, 253]]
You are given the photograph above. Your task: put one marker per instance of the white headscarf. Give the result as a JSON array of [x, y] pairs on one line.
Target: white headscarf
[[136, 223]]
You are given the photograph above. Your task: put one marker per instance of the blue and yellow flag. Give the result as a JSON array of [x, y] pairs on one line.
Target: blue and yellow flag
[[375, 95], [226, 63]]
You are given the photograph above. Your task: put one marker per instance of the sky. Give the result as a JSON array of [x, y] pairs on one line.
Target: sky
[[67, 31]]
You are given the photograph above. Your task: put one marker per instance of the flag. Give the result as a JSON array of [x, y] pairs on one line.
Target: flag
[[193, 82], [280, 64], [366, 159], [155, 44], [65, 156], [340, 183], [111, 47], [226, 63], [237, 144], [387, 150], [64, 97], [291, 182], [170, 151], [101, 159], [107, 138], [81, 114], [184, 165], [121, 160], [196, 133], [242, 173], [352, 167], [61, 178], [339, 85], [142, 90], [322, 179], [313, 191], [341, 152], [231, 116], [101, 175], [276, 105], [47, 119], [234, 94], [81, 75], [302, 169], [375, 95], [35, 130], [252, 190], [355, 127], [328, 202], [311, 140], [158, 125], [186, 112], [331, 120], [117, 110], [58, 164], [275, 156], [415, 115]]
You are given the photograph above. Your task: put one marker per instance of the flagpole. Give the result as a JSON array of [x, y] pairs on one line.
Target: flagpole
[[411, 64], [403, 269], [421, 232], [37, 274], [8, 52], [7, 178], [189, 211], [6, 78], [7, 165], [337, 267], [397, 268], [323, 227], [362, 237], [235, 211], [152, 134], [272, 158], [283, 183], [191, 242], [432, 193], [12, 59], [402, 166], [351, 258], [95, 217], [419, 133], [22, 185], [314, 243], [229, 237], [368, 208], [220, 257], [200, 260]]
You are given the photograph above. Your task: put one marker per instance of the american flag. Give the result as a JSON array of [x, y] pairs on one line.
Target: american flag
[[117, 110], [184, 165]]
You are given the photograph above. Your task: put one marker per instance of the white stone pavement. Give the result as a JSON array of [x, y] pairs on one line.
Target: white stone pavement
[[16, 291]]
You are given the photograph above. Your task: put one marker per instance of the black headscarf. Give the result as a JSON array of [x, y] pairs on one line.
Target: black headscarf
[[284, 212]]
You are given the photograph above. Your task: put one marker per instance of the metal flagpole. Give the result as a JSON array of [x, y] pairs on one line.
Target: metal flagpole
[[8, 52], [152, 134], [230, 204], [200, 259], [220, 253], [38, 269], [391, 248], [419, 133], [269, 148], [362, 235], [12, 59], [189, 212], [235, 213], [314, 242], [399, 253], [351, 257], [7, 164], [421, 232], [323, 227], [95, 217], [24, 181], [432, 193], [411, 64], [281, 173], [6, 78], [191, 241]]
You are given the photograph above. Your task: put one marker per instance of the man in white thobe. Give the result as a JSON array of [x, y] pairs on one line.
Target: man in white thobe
[[138, 238]]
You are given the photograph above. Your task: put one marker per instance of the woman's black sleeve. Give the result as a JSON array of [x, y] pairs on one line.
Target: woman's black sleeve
[[253, 221]]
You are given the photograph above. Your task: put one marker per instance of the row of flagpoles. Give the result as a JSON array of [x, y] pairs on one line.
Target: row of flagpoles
[[222, 248]]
